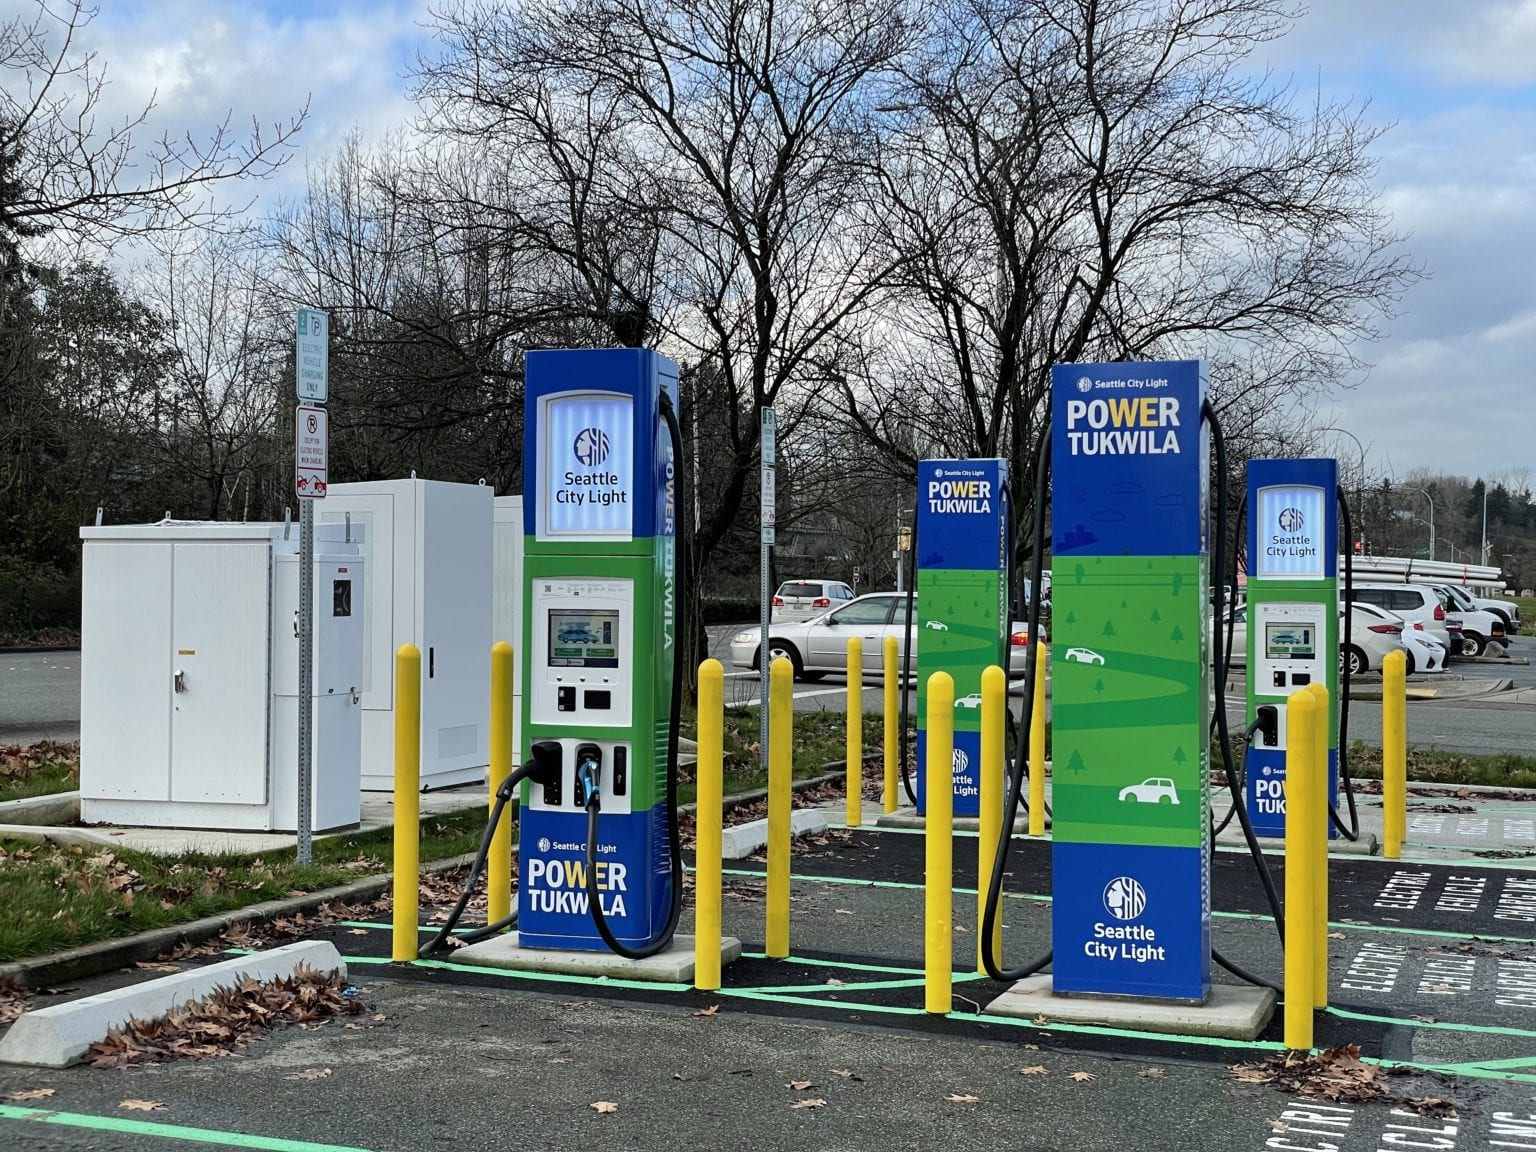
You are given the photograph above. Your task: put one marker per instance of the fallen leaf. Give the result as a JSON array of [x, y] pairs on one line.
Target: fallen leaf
[[560, 1060], [1152, 1073], [1335, 935], [1083, 1077], [834, 982], [141, 1105], [809, 1102], [1041, 1020], [605, 1107], [378, 1018], [800, 1085], [311, 1074], [32, 1094], [957, 1098], [712, 1010], [357, 931], [846, 1074], [1030, 1047], [843, 911], [1033, 1070]]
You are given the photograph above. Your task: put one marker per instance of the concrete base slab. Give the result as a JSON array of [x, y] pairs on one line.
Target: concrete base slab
[[1234, 1012], [673, 965], [60, 1035], [740, 841], [908, 818], [57, 808]]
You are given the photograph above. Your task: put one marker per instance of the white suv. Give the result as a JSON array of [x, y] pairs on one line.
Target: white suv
[[1416, 603], [808, 599]]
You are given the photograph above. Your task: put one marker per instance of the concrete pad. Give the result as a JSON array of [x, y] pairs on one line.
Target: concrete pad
[[673, 965], [58, 1036], [908, 818], [740, 841], [1234, 1011]]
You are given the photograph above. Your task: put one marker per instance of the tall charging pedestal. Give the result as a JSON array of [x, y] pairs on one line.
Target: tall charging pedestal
[[1292, 617], [1130, 685], [599, 628], [961, 622]]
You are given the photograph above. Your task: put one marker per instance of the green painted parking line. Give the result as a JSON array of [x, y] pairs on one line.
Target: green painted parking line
[[859, 985], [123, 1125], [1442, 1025]]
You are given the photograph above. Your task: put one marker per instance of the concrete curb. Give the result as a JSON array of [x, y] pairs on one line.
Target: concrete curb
[[741, 840], [104, 955], [60, 1035], [52, 808]]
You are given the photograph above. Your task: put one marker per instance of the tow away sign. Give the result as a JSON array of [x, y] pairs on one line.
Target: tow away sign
[[309, 452]]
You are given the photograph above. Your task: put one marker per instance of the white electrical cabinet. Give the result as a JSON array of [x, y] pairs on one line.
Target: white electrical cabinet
[[507, 619], [428, 582], [189, 676]]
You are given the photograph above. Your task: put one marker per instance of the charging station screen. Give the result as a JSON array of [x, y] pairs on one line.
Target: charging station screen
[[580, 639], [1289, 642]]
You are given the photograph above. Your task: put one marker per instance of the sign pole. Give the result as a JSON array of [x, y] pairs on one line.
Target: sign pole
[[311, 434], [769, 442]]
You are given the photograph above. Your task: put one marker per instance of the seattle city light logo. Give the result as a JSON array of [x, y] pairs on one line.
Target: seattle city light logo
[[591, 446]]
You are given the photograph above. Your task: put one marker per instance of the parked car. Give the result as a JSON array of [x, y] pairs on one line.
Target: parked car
[[816, 647], [1425, 653], [808, 599], [1507, 610], [1479, 627], [1415, 603]]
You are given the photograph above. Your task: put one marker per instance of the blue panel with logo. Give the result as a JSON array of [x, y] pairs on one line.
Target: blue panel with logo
[[966, 772], [1131, 921], [961, 514], [1129, 435], [634, 879], [1265, 786]]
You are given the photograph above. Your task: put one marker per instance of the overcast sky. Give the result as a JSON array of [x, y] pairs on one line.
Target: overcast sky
[[1454, 379]]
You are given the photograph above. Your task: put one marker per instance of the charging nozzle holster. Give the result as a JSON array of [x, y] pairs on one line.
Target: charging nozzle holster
[[589, 776]]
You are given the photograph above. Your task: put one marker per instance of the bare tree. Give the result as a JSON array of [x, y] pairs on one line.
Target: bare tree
[[1109, 179]]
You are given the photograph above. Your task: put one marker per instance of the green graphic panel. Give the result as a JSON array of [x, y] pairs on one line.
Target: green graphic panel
[[1130, 751], [960, 632]]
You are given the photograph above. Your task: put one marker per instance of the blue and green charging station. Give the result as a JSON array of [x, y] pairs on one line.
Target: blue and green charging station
[[1130, 682], [1292, 617], [962, 622], [599, 629]]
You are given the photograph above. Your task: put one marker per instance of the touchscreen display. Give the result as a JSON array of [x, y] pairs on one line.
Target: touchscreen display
[[583, 639], [1289, 641]]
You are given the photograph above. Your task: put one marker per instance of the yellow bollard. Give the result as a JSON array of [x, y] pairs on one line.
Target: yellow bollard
[[1301, 817], [994, 702], [892, 721], [407, 855], [1394, 753], [1037, 745], [706, 880], [855, 758], [781, 735], [1320, 800], [498, 865], [938, 903]]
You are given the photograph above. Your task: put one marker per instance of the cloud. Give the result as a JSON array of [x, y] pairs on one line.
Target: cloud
[[1108, 516], [1125, 488]]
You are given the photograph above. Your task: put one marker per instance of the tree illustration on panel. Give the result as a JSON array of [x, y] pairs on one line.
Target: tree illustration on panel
[[1177, 584], [1075, 764], [1177, 635], [1178, 755], [1071, 617], [1098, 685], [1109, 630], [1156, 617], [1079, 573]]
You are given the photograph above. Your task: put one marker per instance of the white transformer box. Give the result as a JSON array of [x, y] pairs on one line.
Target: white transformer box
[[189, 676], [428, 582], [507, 619]]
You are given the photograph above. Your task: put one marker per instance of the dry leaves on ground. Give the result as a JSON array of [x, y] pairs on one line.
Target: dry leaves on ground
[[1033, 1070], [312, 1074], [1334, 1074], [604, 1107], [962, 1098], [712, 1010], [141, 1105], [1152, 1073], [1084, 1077], [227, 1019], [13, 1001], [848, 1074], [810, 1102], [30, 1094], [20, 761], [800, 1085]]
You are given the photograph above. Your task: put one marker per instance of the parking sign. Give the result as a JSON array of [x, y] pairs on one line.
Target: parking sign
[[309, 452]]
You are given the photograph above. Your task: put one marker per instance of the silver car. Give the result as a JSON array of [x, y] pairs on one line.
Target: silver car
[[816, 647]]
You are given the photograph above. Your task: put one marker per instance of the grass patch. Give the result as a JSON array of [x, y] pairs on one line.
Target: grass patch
[[58, 897], [40, 769], [820, 738], [1505, 770], [1527, 614]]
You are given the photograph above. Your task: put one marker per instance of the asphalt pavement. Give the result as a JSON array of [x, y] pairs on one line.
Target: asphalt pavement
[[39, 696]]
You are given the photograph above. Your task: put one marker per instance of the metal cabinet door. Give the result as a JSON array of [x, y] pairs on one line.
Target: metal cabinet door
[[219, 689], [375, 515]]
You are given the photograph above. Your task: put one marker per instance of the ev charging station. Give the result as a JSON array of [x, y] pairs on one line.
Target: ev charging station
[[599, 636], [1130, 860], [1293, 618], [962, 604]]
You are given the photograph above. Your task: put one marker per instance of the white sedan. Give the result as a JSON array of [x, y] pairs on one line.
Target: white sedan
[[817, 647]]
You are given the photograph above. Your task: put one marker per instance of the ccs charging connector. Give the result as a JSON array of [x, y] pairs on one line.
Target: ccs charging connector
[[1268, 717], [589, 776]]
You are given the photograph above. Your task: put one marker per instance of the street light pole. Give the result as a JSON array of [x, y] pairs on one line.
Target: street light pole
[[1431, 500], [1359, 487]]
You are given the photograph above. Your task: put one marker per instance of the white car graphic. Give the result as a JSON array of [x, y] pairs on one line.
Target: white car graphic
[[971, 701], [1084, 656], [936, 625], [1153, 790]]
